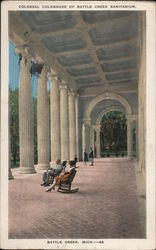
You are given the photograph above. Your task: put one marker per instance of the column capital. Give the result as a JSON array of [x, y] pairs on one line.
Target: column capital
[[24, 51], [135, 117], [131, 118], [93, 126], [63, 86], [38, 68], [87, 122], [98, 127], [39, 59], [44, 68], [76, 94], [53, 77], [71, 92]]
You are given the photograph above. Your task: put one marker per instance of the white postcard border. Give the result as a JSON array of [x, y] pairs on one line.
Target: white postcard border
[[149, 242]]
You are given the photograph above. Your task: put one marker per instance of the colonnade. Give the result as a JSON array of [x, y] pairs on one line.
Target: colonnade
[[64, 121], [63, 118], [88, 139]]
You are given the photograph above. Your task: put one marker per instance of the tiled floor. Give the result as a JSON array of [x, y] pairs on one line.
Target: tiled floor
[[106, 205]]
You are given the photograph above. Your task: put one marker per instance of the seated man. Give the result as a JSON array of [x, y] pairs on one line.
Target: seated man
[[63, 175], [51, 172]]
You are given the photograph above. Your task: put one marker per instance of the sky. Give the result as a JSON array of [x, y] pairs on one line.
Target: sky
[[14, 72]]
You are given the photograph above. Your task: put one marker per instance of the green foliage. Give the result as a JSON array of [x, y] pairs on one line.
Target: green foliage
[[114, 133], [14, 125]]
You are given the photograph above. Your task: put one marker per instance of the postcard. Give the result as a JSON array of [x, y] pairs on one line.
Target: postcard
[[78, 125]]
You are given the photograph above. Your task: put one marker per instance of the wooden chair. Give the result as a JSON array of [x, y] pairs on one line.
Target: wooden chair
[[65, 186]]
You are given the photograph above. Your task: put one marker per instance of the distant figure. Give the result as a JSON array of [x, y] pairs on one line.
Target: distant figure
[[75, 160], [91, 156], [85, 158]]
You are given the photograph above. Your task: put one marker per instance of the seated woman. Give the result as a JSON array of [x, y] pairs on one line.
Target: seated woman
[[64, 164], [63, 176]]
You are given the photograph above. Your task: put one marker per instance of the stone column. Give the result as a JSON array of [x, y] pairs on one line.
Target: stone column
[[64, 122], [142, 93], [98, 146], [83, 139], [137, 146], [86, 136], [10, 176], [55, 118], [77, 123], [72, 124], [26, 127], [129, 138], [43, 121], [92, 143]]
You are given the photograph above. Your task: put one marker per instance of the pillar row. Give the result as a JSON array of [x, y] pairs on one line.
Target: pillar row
[[64, 122], [72, 125], [26, 128], [55, 118], [43, 121]]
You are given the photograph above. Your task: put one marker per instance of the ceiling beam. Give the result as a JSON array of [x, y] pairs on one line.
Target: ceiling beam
[[91, 47]]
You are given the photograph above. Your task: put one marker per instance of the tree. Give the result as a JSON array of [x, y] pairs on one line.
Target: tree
[[14, 125], [114, 132]]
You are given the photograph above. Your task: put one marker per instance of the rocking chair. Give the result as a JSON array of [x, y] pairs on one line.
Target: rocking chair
[[65, 186]]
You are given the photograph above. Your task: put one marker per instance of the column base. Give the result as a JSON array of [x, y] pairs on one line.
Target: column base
[[27, 170], [129, 157], [42, 166]]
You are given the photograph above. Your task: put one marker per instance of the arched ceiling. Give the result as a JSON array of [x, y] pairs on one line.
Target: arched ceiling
[[89, 48], [103, 106]]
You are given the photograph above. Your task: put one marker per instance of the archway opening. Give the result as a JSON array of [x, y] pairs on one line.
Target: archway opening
[[113, 135]]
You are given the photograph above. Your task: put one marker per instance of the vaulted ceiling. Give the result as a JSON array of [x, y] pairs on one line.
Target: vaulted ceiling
[[88, 48]]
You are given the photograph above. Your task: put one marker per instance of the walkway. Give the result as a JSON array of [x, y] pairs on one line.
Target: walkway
[[106, 205]]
